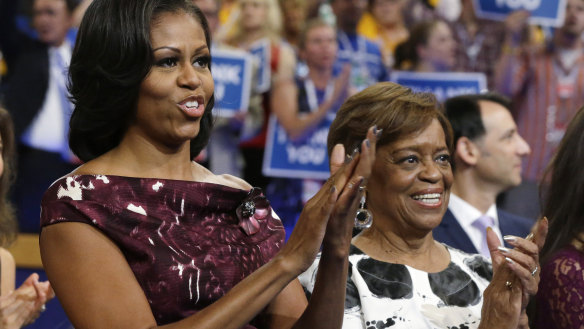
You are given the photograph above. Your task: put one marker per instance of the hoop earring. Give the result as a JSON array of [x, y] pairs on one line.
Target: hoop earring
[[363, 217]]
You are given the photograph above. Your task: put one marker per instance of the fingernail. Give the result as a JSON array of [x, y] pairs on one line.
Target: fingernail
[[529, 237], [510, 261], [367, 143], [504, 250], [348, 159], [333, 189], [374, 129], [378, 133], [355, 152], [510, 238]]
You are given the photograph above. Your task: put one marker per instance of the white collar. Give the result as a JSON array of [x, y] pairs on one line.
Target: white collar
[[466, 213]]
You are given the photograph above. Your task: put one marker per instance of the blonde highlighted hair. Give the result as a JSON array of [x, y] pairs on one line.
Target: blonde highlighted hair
[[232, 32]]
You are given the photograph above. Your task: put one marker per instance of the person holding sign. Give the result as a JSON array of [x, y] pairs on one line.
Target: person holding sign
[[400, 277], [256, 28], [320, 94], [546, 87], [230, 79], [140, 236], [426, 62], [478, 42]]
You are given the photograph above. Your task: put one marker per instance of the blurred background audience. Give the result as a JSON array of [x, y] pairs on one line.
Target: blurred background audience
[[21, 306], [34, 92], [546, 86], [384, 24], [539, 68], [254, 22], [429, 48]]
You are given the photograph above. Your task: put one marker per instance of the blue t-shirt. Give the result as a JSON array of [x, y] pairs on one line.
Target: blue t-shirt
[[367, 66]]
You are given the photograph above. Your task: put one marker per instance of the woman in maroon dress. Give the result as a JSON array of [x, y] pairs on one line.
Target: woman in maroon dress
[[140, 236], [561, 289]]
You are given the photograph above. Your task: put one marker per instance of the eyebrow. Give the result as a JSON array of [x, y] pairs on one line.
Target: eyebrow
[[417, 149], [508, 132], [201, 48]]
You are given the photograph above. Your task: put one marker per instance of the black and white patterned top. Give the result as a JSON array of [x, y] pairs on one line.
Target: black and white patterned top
[[385, 295]]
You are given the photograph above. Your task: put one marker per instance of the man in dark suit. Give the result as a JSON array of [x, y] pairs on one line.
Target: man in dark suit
[[34, 92], [486, 162]]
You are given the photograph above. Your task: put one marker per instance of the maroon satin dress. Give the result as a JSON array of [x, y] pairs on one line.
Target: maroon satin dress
[[181, 239]]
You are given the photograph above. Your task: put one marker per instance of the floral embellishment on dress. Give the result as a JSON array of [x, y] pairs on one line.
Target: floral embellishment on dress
[[253, 208]]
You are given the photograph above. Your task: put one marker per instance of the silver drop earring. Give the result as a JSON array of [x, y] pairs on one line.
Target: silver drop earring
[[363, 217]]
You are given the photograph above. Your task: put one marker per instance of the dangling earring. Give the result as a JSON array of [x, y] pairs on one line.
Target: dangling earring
[[363, 217]]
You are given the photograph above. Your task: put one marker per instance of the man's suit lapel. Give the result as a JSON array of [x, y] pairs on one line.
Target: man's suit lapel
[[456, 234]]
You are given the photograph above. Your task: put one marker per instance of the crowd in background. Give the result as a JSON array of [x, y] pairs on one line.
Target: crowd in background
[[538, 67], [321, 53]]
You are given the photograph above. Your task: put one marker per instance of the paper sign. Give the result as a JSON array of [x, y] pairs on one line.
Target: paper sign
[[543, 12], [262, 56], [442, 84], [231, 70], [305, 157]]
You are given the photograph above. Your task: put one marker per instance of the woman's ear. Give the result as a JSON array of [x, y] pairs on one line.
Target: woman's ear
[[467, 151]]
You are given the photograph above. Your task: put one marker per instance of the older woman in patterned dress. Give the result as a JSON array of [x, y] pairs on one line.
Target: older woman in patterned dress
[[399, 276]]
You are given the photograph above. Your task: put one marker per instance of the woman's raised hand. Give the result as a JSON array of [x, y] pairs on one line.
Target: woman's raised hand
[[515, 278], [341, 86], [338, 197], [24, 305]]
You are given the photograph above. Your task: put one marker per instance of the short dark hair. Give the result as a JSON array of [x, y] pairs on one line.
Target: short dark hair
[[464, 113], [111, 58], [71, 5], [394, 108]]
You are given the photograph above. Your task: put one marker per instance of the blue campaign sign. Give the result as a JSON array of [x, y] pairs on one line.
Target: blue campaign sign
[[231, 71], [261, 53], [305, 157], [442, 84], [543, 12]]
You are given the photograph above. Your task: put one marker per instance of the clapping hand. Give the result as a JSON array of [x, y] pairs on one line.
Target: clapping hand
[[515, 278], [333, 208], [24, 305]]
